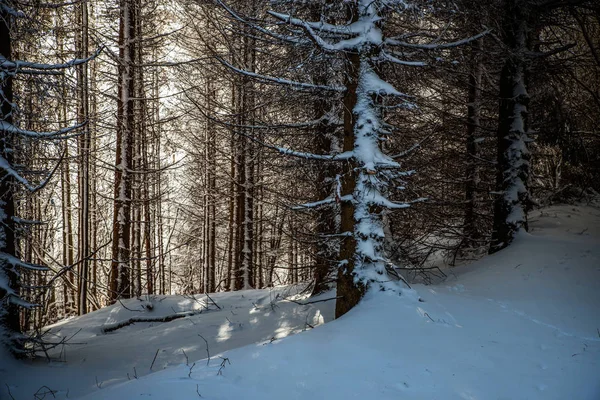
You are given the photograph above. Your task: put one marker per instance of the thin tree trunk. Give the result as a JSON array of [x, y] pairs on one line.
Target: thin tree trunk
[[93, 149], [210, 256], [471, 232], [84, 162]]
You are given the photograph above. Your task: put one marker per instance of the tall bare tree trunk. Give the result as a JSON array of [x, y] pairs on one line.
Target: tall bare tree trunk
[[120, 286], [84, 158], [346, 286], [471, 232], [210, 206]]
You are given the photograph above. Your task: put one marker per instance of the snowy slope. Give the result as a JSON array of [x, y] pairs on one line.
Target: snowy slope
[[521, 324], [96, 359]]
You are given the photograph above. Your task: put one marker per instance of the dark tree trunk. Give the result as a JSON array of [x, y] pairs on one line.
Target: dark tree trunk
[[211, 228], [348, 290], [326, 142], [512, 179], [9, 280], [84, 163], [120, 286], [471, 232]]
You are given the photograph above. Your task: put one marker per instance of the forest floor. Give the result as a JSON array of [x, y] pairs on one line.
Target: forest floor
[[523, 323]]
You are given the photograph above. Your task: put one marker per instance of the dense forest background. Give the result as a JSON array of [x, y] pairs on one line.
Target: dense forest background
[[177, 147]]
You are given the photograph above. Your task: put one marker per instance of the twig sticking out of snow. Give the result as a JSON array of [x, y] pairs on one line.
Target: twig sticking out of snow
[[39, 342], [222, 367], [393, 272], [306, 324], [127, 308], [212, 301], [9, 393], [207, 352], [41, 395], [187, 360], [151, 365]]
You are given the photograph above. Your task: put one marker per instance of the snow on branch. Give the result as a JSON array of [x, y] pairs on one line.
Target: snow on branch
[[411, 149], [25, 66], [435, 46], [281, 81], [310, 156], [4, 164], [323, 202], [16, 262], [373, 84], [60, 134], [300, 154], [315, 38], [11, 11], [260, 29], [10, 171], [326, 119], [384, 56], [319, 26], [359, 31]]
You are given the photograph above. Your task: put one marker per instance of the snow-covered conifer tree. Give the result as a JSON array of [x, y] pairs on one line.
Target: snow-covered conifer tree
[[510, 208], [368, 173], [520, 21]]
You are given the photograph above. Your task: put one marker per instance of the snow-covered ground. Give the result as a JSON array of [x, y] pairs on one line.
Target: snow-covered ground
[[521, 324]]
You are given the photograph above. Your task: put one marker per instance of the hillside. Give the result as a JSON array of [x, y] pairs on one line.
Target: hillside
[[521, 324]]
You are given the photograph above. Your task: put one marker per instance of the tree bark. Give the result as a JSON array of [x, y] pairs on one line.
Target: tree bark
[[471, 232], [9, 279], [512, 178], [84, 159], [120, 286], [348, 291]]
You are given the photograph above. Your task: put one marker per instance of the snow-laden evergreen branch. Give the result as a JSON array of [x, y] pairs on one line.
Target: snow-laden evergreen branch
[[15, 67], [310, 156], [239, 18], [16, 262], [435, 46], [360, 34], [281, 81], [384, 56], [11, 11], [9, 170], [59, 134], [316, 204]]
